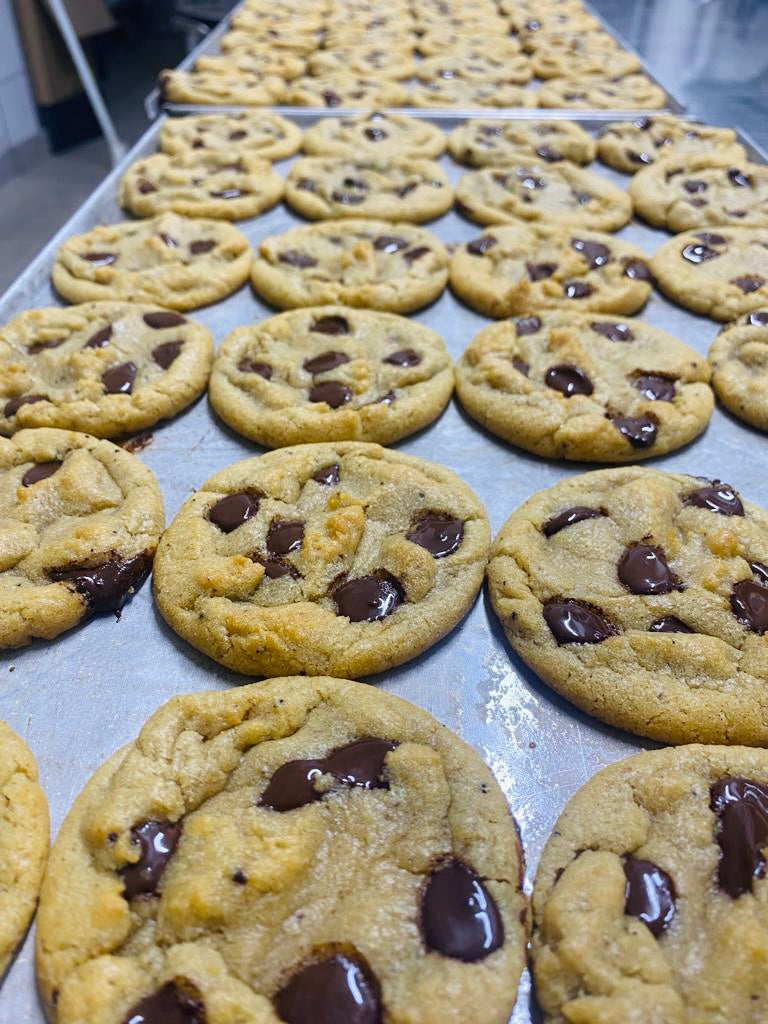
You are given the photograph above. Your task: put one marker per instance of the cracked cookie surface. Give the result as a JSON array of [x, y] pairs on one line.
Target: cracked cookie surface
[[653, 868], [641, 597], [481, 143], [81, 521], [376, 135], [629, 145], [739, 360], [258, 132], [343, 557]]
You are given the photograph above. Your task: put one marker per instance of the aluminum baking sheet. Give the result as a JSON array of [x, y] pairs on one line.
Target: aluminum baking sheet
[[79, 698]]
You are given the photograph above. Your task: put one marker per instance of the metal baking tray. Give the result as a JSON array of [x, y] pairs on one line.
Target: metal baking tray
[[80, 697]]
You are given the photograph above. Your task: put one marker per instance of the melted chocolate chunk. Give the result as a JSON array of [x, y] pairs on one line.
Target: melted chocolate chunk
[[540, 271], [328, 476], [177, 1002], [637, 270], [669, 624], [649, 894], [334, 325], [570, 380], [569, 517], [741, 807], [277, 568], [99, 259], [577, 290], [119, 380], [40, 346], [106, 587], [749, 603], [138, 442], [146, 187], [759, 319], [167, 353], [331, 98], [296, 258], [403, 357], [404, 190], [201, 247], [640, 431], [306, 185], [739, 179], [595, 253], [348, 198], [332, 392], [325, 361], [169, 242], [548, 154], [237, 135], [157, 842], [292, 785], [12, 406], [694, 185], [40, 471], [521, 366], [389, 244], [232, 511], [710, 238], [760, 570], [284, 536], [480, 246], [614, 332], [439, 533], [574, 622], [339, 989], [162, 319], [643, 570], [717, 497], [415, 254], [748, 283], [375, 134], [369, 598], [527, 325], [459, 917], [655, 387], [248, 365], [699, 253], [100, 339]]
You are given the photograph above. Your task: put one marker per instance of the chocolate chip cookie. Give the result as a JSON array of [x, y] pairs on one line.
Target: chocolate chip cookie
[[24, 830], [543, 192], [217, 184], [177, 262], [81, 520], [255, 132], [287, 44], [331, 373], [106, 368], [345, 90], [641, 597], [221, 88], [483, 143], [393, 267], [701, 190], [739, 360], [559, 62], [304, 850], [247, 55], [375, 134], [574, 386], [343, 557], [478, 66], [368, 61], [629, 145], [515, 269], [462, 92], [652, 867], [631, 92], [722, 273], [442, 39]]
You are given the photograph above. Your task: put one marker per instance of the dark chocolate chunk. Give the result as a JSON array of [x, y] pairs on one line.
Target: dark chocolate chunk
[[748, 283], [40, 346], [138, 442], [328, 476], [574, 622], [119, 380], [595, 253], [284, 536], [386, 399], [167, 353], [570, 380], [348, 198], [276, 568], [106, 587], [577, 290], [694, 185], [163, 319], [637, 270], [292, 785], [699, 253], [306, 185], [248, 365], [761, 571], [741, 807], [521, 366], [403, 357], [527, 325], [201, 247], [548, 154], [749, 603], [439, 533], [171, 243], [569, 517], [325, 361], [758, 319], [375, 134], [13, 405], [369, 598], [389, 244], [177, 1002], [404, 190], [100, 339], [459, 917], [332, 392], [669, 624], [296, 258], [540, 271], [157, 842], [335, 325], [236, 136], [100, 259], [415, 254], [643, 569], [710, 238], [649, 894], [655, 387], [716, 497], [331, 98], [40, 471], [640, 431], [739, 179], [612, 331], [339, 990], [480, 246], [146, 187], [232, 511]]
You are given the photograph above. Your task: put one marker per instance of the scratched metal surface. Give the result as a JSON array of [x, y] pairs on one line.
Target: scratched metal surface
[[77, 699]]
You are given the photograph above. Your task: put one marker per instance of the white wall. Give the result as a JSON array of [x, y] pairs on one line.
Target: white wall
[[18, 117]]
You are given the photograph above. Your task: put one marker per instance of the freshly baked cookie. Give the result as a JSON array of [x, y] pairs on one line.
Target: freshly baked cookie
[[655, 865], [377, 135], [387, 188], [176, 262], [293, 45], [263, 63], [739, 360], [702, 190], [557, 192], [532, 31], [516, 269], [106, 368], [345, 90], [631, 92], [444, 40], [461, 92], [343, 557], [585, 387], [254, 132], [222, 185], [560, 61], [368, 61], [571, 42], [331, 373], [220, 87], [275, 34], [376, 264], [640, 596], [722, 273], [81, 520], [304, 850], [482, 143], [629, 145], [476, 67]]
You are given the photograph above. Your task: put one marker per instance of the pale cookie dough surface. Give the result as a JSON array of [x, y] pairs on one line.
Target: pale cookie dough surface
[[381, 61], [650, 613], [376, 264], [176, 262], [265, 63], [584, 63], [221, 87], [722, 273], [386, 188], [343, 589], [24, 830], [289, 38], [632, 92], [558, 192], [450, 41], [81, 520], [476, 67], [629, 145], [376, 135], [322, 840], [345, 90], [702, 190], [331, 373], [645, 908], [255, 132], [586, 387], [739, 360], [514, 269], [461, 92], [288, 45], [222, 185], [105, 368], [482, 143]]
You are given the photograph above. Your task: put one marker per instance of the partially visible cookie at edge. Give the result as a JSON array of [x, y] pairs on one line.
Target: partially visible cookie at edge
[[739, 360]]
